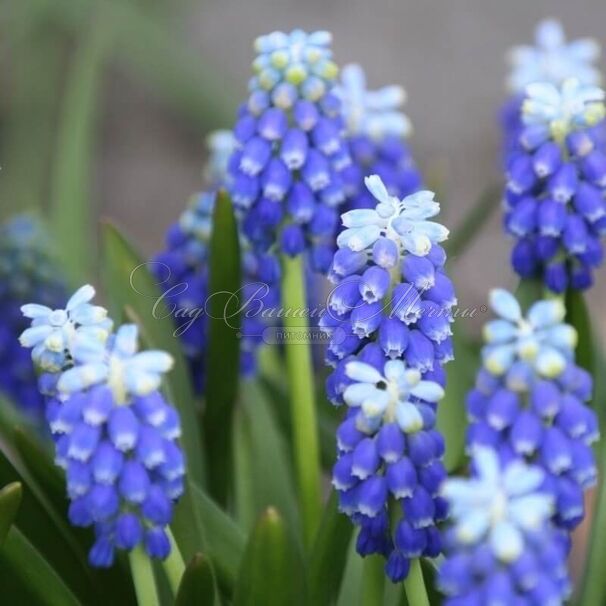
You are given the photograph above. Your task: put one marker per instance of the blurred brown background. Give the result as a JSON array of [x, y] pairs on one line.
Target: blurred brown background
[[171, 71]]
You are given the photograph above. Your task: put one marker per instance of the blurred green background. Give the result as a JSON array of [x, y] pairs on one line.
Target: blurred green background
[[105, 103]]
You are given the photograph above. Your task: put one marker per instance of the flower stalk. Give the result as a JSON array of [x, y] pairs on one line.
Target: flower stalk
[[302, 399]]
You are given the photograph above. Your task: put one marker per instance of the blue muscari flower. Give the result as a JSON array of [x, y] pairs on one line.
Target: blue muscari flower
[[552, 60], [529, 401], [501, 547], [28, 271], [556, 179], [389, 318], [285, 175], [116, 438], [389, 451], [182, 273], [377, 130]]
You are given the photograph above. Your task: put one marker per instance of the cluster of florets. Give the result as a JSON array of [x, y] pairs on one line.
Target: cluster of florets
[[389, 317], [501, 547], [556, 179], [377, 130], [552, 60], [28, 272], [285, 175], [115, 434], [530, 398]]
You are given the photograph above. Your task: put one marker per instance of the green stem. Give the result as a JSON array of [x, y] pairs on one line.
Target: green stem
[[174, 566], [143, 578], [414, 585], [302, 401]]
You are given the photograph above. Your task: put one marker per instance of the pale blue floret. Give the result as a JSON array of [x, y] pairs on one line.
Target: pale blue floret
[[221, 145], [541, 338], [563, 109], [374, 113], [385, 398], [498, 506], [553, 59], [402, 221], [53, 331], [126, 372]]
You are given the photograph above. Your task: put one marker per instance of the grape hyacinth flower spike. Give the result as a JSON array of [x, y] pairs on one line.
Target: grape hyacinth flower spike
[[377, 130], [556, 181], [529, 401], [181, 270], [116, 438], [28, 272], [552, 60], [285, 175], [501, 548], [389, 317]]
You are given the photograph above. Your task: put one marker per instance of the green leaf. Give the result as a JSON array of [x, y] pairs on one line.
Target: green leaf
[[474, 220], [223, 353], [329, 555], [266, 449], [71, 184], [10, 499], [224, 541], [351, 587], [26, 572], [452, 413], [271, 570], [198, 586], [45, 528], [130, 284]]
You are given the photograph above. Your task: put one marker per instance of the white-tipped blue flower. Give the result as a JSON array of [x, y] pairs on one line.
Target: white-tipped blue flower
[[386, 398], [553, 59], [562, 109], [541, 338], [405, 222], [498, 506], [53, 331], [221, 145], [374, 113], [126, 372]]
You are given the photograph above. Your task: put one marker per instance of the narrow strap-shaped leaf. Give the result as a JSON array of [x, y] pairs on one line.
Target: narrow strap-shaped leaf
[[29, 577], [198, 586], [224, 541], [71, 185], [223, 354], [267, 450], [350, 592], [271, 570], [329, 555], [129, 283], [10, 499]]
